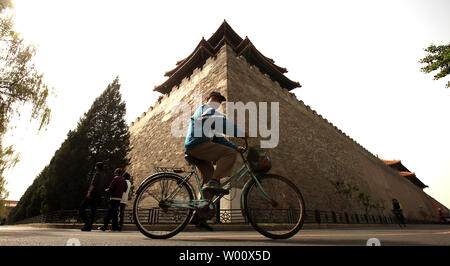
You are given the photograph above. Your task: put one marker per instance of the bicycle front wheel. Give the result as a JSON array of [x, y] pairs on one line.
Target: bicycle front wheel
[[155, 213], [276, 208]]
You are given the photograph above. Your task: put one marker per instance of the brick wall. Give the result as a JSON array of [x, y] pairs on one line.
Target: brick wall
[[312, 151]]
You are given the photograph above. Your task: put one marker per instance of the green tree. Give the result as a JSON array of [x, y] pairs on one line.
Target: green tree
[[101, 135], [28, 203], [349, 192], [438, 58], [107, 132], [20, 84], [3, 196]]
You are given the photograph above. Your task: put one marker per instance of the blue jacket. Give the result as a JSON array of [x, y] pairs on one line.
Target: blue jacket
[[208, 124]]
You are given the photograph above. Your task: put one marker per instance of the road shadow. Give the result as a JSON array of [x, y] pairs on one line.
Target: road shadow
[[300, 242]]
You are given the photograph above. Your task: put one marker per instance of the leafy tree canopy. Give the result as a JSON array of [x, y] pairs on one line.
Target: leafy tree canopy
[[20, 84], [438, 58]]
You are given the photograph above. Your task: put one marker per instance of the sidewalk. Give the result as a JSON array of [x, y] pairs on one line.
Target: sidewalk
[[247, 227]]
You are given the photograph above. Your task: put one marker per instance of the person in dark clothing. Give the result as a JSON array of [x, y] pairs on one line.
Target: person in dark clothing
[[116, 189], [93, 197], [398, 211]]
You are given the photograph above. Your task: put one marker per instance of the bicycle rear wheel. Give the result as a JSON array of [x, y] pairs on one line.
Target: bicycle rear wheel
[[278, 218], [154, 215]]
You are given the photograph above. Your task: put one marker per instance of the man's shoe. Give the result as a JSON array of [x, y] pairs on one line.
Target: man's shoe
[[202, 224], [213, 187], [103, 228], [86, 229]]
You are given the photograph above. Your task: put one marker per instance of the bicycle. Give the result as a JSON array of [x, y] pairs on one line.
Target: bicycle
[[165, 202], [399, 217]]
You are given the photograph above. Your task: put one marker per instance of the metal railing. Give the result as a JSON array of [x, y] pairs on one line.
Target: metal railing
[[230, 216]]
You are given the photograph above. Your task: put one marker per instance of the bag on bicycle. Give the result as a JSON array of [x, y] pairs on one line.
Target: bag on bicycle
[[259, 162]]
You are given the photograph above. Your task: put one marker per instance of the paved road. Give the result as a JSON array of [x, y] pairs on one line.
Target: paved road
[[413, 235]]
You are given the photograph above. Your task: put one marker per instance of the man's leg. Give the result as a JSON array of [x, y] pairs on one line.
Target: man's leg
[[206, 170], [225, 163], [224, 156], [115, 212], [93, 204], [121, 214], [402, 218], [82, 212], [108, 216]]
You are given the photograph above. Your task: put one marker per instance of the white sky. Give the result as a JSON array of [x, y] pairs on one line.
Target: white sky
[[357, 62]]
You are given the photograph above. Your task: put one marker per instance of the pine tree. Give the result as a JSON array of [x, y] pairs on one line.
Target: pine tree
[[101, 135], [107, 134]]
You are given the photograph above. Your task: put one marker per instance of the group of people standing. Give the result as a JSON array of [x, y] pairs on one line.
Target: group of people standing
[[118, 191]]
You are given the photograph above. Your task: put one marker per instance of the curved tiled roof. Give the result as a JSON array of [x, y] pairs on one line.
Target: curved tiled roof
[[403, 171], [391, 162], [209, 48]]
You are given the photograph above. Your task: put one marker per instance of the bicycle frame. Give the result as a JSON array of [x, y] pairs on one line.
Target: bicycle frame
[[202, 202], [177, 198]]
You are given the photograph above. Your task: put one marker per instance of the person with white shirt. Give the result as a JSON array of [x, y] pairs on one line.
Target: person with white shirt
[[124, 201]]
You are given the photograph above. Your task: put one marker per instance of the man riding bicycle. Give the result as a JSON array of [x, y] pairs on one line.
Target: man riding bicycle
[[166, 202], [205, 141], [398, 211]]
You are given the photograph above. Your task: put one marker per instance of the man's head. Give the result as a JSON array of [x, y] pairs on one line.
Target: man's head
[[215, 97], [99, 166], [118, 172]]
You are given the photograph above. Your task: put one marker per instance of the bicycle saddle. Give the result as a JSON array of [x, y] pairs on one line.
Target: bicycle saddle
[[192, 160]]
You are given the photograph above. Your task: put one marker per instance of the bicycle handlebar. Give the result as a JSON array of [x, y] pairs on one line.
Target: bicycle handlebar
[[246, 146]]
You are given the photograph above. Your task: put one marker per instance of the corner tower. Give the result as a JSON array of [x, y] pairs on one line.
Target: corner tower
[[311, 151]]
